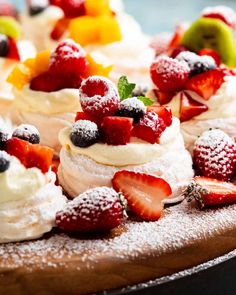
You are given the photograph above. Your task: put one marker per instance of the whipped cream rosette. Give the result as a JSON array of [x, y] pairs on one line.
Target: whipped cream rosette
[[113, 135]]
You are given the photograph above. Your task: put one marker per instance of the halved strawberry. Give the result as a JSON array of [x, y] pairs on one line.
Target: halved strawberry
[[60, 28], [176, 39], [13, 50], [163, 112], [143, 192], [206, 84], [190, 108], [212, 53], [163, 97], [30, 155], [85, 116], [209, 192], [116, 130]]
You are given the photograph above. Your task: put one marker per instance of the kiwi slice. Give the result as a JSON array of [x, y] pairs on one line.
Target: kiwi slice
[[10, 27], [214, 34]]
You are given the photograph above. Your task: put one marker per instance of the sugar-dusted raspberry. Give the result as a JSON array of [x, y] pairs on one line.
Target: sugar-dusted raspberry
[[99, 97], [149, 128], [169, 74], [215, 155], [68, 57]]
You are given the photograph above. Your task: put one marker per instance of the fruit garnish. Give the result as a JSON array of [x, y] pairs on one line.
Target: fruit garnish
[[96, 210], [164, 112], [96, 68], [214, 34], [149, 128], [7, 9], [27, 132], [223, 13], [116, 130], [84, 133], [30, 155], [85, 116], [60, 28], [71, 8], [131, 107], [212, 53], [125, 88], [140, 90], [10, 27], [209, 192], [169, 74], [160, 43], [35, 7], [189, 107], [206, 84], [143, 192], [4, 45], [87, 30], [4, 136], [98, 97], [163, 97], [49, 82], [68, 57], [176, 38], [13, 52], [178, 50], [214, 155], [5, 161], [197, 64], [100, 7]]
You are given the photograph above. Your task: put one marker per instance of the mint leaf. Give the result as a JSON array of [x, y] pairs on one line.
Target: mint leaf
[[125, 88], [146, 100]]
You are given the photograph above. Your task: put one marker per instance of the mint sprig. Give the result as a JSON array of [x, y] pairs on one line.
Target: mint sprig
[[125, 88], [146, 100]]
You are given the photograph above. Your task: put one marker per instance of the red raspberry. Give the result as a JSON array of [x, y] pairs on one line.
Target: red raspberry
[[169, 74], [215, 155], [116, 130], [149, 128], [96, 210], [99, 97], [68, 57], [49, 82], [71, 8]]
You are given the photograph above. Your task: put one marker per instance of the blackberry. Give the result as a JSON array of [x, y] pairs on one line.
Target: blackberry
[[140, 90], [5, 160], [37, 6], [28, 133], [84, 133], [197, 64], [4, 136], [4, 45], [132, 108]]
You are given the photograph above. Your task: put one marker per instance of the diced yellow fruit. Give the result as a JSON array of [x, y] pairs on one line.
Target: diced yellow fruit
[[97, 7], [42, 61], [96, 68], [109, 30], [84, 30], [20, 76]]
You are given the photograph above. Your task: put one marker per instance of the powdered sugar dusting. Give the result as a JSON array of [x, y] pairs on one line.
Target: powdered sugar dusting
[[180, 226]]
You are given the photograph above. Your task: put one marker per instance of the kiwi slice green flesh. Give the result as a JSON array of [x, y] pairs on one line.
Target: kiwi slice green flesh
[[214, 34]]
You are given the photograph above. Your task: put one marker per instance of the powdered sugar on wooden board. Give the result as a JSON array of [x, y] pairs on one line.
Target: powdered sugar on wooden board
[[180, 226]]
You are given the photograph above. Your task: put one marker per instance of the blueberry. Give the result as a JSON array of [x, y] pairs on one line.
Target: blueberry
[[4, 136], [37, 6], [140, 90], [84, 133], [197, 64], [131, 107], [4, 45], [27, 132], [5, 160]]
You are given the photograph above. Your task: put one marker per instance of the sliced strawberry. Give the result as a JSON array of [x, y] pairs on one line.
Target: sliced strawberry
[[177, 50], [163, 112], [13, 50], [163, 97], [143, 192], [223, 13], [60, 28], [212, 53], [71, 8], [116, 130], [85, 116], [190, 108], [206, 84], [30, 155], [176, 39], [209, 192], [149, 128]]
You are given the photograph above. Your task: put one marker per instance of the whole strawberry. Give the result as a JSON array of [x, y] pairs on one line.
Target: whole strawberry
[[215, 155], [96, 210]]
